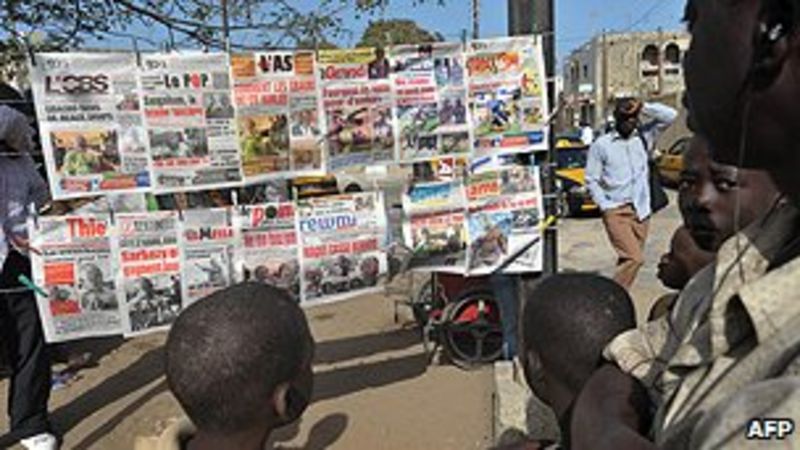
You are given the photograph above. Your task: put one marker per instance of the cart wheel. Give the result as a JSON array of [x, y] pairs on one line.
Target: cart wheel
[[473, 334], [426, 301]]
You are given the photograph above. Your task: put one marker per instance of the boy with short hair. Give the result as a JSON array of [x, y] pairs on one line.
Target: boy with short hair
[[567, 320], [239, 363]]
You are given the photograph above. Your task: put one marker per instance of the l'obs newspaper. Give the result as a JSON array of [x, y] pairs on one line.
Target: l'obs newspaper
[[505, 208], [507, 95], [91, 123], [435, 226], [269, 248], [356, 100], [341, 239], [191, 121], [430, 97], [76, 270], [278, 115], [208, 245], [150, 270]]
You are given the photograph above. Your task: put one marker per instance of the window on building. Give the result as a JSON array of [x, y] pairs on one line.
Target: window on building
[[673, 53], [650, 54], [585, 71]]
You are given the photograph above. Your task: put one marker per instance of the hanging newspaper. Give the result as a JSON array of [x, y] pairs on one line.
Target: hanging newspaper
[[341, 239], [191, 121], [505, 207], [356, 100], [435, 226], [208, 245], [507, 96], [76, 269], [150, 271], [430, 101], [91, 123], [269, 252], [278, 116]]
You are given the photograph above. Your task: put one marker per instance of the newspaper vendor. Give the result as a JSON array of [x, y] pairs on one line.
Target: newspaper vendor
[[21, 185]]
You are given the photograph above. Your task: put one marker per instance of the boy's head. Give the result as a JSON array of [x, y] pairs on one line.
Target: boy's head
[[683, 261], [741, 74], [566, 321], [239, 361], [708, 196]]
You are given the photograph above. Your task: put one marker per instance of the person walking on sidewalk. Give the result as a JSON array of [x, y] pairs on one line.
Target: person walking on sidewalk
[[617, 176]]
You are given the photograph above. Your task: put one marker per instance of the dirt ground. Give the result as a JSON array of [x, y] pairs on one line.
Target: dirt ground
[[374, 389], [374, 386]]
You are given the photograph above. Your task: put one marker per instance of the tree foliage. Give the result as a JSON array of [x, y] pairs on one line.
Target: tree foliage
[[252, 24], [382, 33]]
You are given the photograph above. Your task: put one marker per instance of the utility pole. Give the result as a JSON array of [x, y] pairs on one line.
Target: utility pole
[[476, 19], [538, 17], [226, 27]]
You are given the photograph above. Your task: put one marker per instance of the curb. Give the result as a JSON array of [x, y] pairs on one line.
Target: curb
[[518, 414]]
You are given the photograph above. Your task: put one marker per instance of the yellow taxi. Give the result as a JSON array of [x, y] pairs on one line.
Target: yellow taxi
[[670, 162], [574, 196]]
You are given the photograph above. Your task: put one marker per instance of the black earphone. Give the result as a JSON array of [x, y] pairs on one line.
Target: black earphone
[[776, 20]]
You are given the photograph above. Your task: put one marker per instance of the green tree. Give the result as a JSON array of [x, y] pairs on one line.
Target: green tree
[[382, 33]]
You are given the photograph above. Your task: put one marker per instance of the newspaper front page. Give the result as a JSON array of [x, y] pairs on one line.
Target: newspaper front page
[[341, 240], [91, 123], [76, 270], [269, 250], [207, 249], [507, 95], [278, 115], [430, 101], [149, 277], [356, 103], [191, 121], [435, 226], [505, 208]]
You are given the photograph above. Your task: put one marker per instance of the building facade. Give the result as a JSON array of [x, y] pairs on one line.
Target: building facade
[[612, 65]]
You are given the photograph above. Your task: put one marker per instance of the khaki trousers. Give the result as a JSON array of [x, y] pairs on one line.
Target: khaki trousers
[[627, 235]]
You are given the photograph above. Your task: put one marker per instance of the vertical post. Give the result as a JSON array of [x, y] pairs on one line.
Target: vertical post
[[226, 27], [538, 17], [476, 19]]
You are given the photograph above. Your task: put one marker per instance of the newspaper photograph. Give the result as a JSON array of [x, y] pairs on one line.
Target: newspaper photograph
[[440, 169], [507, 95], [505, 208], [430, 95], [191, 121], [208, 245], [435, 227], [341, 239], [356, 103], [269, 251], [149, 276], [91, 123], [278, 117], [76, 269]]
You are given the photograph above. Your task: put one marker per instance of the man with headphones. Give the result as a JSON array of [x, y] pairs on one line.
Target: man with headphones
[[722, 370]]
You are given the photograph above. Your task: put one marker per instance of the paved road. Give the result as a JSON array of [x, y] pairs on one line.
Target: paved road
[[374, 390]]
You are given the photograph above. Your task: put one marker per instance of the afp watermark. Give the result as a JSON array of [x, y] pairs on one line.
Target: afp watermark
[[769, 429]]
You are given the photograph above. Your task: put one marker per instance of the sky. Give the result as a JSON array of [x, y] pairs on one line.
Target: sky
[[576, 20]]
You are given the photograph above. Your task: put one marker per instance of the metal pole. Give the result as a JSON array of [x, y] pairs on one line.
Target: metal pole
[[538, 17], [476, 19], [226, 26]]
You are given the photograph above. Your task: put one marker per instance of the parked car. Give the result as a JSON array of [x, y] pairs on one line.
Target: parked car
[[670, 162], [574, 196]]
